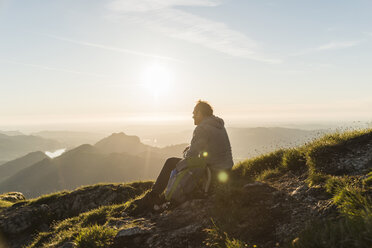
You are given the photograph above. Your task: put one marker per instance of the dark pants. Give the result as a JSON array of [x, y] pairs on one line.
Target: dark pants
[[162, 180]]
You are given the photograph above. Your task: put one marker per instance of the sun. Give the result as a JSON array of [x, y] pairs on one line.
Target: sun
[[157, 80]]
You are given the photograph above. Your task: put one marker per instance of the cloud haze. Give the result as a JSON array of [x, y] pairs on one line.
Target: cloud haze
[[335, 45], [338, 45], [164, 16], [110, 48]]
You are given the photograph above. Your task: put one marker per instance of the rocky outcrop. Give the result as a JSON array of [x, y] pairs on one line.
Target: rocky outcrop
[[12, 197], [353, 157], [24, 218], [180, 227]]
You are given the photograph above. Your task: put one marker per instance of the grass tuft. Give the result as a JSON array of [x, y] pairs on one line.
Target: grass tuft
[[95, 236], [5, 204], [270, 173], [219, 239], [254, 167], [294, 160]]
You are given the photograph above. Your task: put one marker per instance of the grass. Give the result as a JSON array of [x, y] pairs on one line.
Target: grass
[[317, 152], [45, 199], [77, 228], [254, 167], [294, 160], [273, 164], [351, 195], [95, 236], [368, 180], [269, 173], [312, 157], [353, 228], [5, 204], [344, 232], [219, 239]]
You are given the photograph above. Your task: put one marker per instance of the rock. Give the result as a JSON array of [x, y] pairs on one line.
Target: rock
[[26, 216], [132, 231], [255, 184], [300, 191], [193, 228], [68, 245], [13, 197]]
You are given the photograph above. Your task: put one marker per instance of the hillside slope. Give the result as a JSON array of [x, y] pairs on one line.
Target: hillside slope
[[317, 195], [12, 167]]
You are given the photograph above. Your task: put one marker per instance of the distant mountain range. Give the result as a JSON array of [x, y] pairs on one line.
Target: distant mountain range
[[71, 139], [15, 146], [122, 158], [251, 142], [11, 133], [246, 142], [117, 158]]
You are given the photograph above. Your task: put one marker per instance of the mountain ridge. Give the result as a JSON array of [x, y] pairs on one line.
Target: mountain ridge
[[109, 160], [12, 167]]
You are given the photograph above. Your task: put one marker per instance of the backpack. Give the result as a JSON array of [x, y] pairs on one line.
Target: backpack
[[192, 180]]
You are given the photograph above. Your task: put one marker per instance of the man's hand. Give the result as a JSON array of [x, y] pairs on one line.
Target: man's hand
[[186, 149]]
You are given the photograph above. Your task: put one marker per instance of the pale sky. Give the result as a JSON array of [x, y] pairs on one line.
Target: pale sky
[[150, 60]]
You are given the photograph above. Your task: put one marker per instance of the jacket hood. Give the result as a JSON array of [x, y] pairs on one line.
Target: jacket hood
[[213, 121]]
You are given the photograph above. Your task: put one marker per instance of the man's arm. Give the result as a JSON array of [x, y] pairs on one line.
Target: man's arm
[[198, 143]]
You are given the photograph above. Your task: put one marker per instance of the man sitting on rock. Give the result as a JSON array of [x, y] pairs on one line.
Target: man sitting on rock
[[210, 140]]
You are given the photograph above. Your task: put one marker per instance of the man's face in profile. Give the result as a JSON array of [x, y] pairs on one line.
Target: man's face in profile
[[197, 116]]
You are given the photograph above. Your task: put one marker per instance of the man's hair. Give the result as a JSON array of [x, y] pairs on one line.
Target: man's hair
[[204, 107]]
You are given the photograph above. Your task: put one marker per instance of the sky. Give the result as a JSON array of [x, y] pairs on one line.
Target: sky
[[149, 61]]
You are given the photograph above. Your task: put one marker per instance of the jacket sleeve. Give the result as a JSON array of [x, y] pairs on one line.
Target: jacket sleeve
[[198, 143]]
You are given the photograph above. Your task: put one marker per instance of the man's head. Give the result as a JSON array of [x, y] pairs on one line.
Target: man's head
[[202, 109]]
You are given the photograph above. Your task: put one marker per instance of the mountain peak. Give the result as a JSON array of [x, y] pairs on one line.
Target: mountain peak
[[120, 142], [122, 135]]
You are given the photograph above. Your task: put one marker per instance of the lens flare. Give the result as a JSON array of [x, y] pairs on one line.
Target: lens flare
[[223, 177]]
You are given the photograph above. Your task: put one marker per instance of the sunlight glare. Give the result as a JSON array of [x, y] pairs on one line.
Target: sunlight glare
[[157, 80]]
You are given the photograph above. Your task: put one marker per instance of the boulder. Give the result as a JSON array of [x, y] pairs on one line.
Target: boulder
[[12, 197]]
